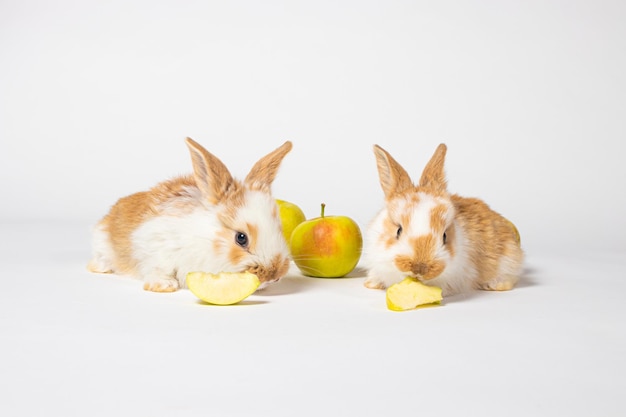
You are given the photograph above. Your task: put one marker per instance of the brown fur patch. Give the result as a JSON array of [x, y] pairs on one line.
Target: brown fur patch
[[423, 249], [422, 262], [273, 271], [236, 253], [412, 196], [253, 235], [438, 218], [439, 223], [172, 189], [491, 236], [211, 175], [433, 175], [405, 218], [129, 212], [233, 200], [123, 219], [393, 178], [388, 237], [451, 240], [265, 170]]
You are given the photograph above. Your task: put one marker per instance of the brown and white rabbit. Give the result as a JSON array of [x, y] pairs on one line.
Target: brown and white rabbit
[[207, 221], [456, 243]]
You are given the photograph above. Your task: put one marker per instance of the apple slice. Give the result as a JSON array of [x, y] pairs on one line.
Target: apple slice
[[224, 288], [410, 294], [518, 239]]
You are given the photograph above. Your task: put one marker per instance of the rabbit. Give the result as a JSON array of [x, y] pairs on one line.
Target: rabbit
[[208, 221], [456, 243]]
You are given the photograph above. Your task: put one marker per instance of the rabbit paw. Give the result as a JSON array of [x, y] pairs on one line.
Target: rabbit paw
[[98, 267], [504, 283], [374, 284], [161, 285]]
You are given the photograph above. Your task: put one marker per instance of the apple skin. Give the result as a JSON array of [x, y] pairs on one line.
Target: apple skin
[[515, 231], [290, 216], [326, 247]]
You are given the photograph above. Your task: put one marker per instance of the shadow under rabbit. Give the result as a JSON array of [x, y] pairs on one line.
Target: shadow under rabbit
[[289, 284], [295, 282], [242, 303], [526, 279]]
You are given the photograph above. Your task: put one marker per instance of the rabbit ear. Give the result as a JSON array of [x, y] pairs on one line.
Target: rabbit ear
[[433, 175], [264, 171], [211, 175], [393, 178]]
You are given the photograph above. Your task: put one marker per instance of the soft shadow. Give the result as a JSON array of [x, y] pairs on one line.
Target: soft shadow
[[241, 303], [526, 279], [459, 298], [289, 284], [357, 272], [294, 282]]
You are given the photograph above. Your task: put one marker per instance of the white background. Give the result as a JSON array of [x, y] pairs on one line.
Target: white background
[[530, 96]]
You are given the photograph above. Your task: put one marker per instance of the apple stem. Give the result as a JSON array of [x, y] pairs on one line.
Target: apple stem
[[323, 207]]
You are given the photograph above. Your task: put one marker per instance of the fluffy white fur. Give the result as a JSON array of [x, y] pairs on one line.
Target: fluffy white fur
[[456, 264], [171, 245], [185, 238], [101, 260], [459, 274], [420, 215], [195, 224], [379, 260], [259, 211]]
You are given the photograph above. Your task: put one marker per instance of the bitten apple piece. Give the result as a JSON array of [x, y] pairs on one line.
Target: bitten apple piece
[[410, 294], [518, 239], [224, 288]]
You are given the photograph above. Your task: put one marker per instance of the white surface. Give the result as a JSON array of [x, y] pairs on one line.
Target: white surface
[[96, 98], [80, 344]]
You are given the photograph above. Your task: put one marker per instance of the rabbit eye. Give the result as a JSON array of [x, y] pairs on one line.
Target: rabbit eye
[[399, 232], [241, 239], [445, 238]]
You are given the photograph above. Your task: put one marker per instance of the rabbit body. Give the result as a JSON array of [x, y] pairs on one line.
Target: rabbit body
[[208, 222], [453, 242]]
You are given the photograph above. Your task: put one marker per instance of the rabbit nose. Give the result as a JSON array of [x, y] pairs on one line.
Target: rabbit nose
[[419, 268], [272, 272]]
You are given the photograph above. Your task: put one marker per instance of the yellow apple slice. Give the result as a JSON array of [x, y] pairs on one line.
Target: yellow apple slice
[[518, 239], [224, 288], [410, 294]]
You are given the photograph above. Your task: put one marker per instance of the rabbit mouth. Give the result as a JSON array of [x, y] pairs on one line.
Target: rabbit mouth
[[271, 272], [421, 278], [423, 270]]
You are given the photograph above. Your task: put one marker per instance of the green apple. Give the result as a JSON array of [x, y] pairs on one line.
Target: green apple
[[326, 247], [290, 216]]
